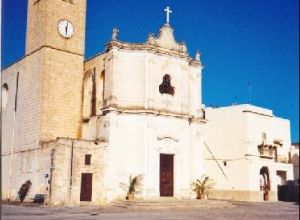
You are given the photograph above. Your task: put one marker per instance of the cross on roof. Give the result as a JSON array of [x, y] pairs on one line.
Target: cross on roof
[[168, 11]]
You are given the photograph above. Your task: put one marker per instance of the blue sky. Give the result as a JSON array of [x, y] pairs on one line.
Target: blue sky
[[241, 42]]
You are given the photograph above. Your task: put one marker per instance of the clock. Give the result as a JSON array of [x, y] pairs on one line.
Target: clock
[[65, 28]]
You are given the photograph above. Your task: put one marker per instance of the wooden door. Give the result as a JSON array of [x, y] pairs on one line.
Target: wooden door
[[86, 187], [166, 175]]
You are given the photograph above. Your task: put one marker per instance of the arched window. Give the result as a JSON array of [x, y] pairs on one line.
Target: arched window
[[94, 98], [4, 92], [165, 87]]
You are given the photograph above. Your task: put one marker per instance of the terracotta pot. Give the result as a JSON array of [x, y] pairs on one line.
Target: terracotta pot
[[201, 196], [129, 196]]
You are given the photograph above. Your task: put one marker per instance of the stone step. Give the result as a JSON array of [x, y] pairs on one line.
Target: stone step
[[170, 204]]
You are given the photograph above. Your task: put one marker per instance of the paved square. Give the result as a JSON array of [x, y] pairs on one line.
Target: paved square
[[238, 210]]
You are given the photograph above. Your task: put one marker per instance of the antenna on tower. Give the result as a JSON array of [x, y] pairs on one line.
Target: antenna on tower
[[249, 85], [235, 100]]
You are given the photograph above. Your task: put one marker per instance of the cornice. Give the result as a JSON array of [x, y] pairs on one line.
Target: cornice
[[190, 118], [153, 48]]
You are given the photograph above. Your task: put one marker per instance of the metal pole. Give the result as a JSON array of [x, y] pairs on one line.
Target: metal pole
[[249, 92], [13, 139], [71, 171]]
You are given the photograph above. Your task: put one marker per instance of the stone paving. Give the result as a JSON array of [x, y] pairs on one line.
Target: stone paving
[[237, 210]]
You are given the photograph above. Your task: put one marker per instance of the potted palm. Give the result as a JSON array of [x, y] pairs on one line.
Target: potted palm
[[202, 186], [134, 183]]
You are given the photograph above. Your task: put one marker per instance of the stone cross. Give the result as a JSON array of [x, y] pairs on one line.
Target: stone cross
[[197, 57], [115, 34], [168, 11]]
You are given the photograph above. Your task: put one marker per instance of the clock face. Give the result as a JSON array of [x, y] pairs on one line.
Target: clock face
[[65, 28]]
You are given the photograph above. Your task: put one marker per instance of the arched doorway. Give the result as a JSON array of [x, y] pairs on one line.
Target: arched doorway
[[265, 182]]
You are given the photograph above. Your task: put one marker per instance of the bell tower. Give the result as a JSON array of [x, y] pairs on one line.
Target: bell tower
[[55, 41], [58, 24]]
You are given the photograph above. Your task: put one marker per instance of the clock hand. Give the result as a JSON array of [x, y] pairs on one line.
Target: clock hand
[[67, 29]]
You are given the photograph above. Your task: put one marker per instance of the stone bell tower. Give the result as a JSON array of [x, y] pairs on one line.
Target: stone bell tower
[[55, 45]]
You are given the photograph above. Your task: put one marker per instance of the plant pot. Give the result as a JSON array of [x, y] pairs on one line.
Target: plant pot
[[201, 196], [129, 196]]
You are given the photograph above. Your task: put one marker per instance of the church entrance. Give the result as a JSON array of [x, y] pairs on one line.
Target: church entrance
[[166, 185], [86, 187]]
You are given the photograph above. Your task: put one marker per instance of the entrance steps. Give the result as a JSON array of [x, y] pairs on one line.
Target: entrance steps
[[170, 203]]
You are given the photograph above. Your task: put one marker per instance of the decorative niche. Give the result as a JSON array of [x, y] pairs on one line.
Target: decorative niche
[[166, 87]]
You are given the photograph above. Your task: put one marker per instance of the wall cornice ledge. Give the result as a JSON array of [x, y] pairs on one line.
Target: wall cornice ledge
[[190, 118], [155, 49]]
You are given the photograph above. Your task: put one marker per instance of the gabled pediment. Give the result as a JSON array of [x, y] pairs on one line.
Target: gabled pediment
[[167, 40]]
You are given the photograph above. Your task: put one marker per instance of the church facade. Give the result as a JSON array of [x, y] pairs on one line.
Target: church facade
[[82, 128], [79, 129], [144, 101]]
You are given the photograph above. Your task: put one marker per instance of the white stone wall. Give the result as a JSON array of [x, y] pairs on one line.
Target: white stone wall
[[27, 165], [48, 167], [133, 79], [295, 160], [233, 135], [134, 144], [27, 121], [139, 122], [66, 181]]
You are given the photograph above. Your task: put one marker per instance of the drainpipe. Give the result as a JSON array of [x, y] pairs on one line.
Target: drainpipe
[[71, 171], [13, 138]]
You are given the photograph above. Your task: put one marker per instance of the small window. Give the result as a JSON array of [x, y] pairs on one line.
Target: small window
[[88, 159]]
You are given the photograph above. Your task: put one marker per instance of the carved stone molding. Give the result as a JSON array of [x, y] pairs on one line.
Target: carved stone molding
[[164, 44], [167, 137], [167, 145]]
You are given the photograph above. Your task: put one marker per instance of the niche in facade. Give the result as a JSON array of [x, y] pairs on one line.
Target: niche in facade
[[165, 87]]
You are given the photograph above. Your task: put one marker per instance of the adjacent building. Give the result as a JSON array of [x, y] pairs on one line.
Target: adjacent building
[[247, 152], [295, 160]]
